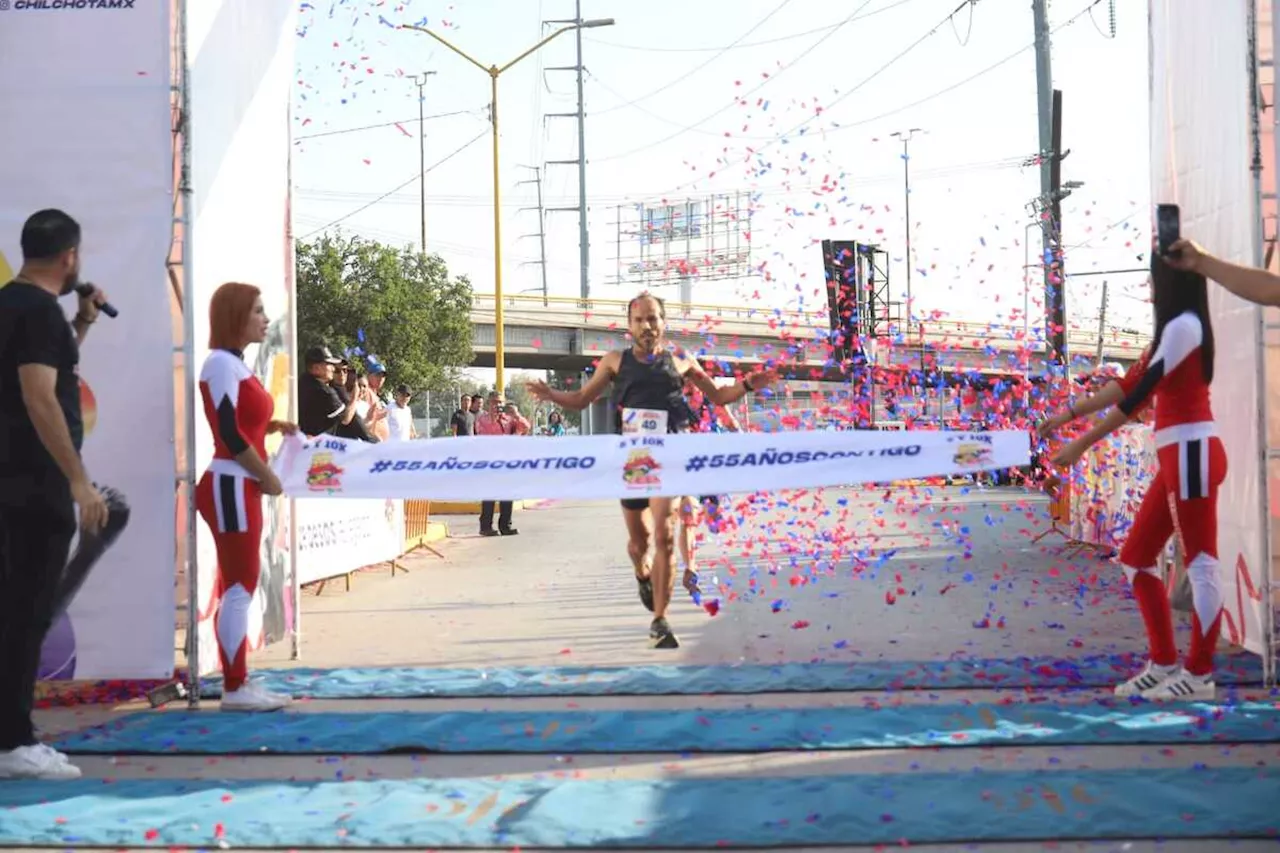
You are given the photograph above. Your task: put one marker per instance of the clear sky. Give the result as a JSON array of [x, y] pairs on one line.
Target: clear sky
[[794, 102]]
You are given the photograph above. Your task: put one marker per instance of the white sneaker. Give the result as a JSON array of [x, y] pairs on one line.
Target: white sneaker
[[254, 698], [60, 757], [1152, 675], [36, 762], [1182, 686]]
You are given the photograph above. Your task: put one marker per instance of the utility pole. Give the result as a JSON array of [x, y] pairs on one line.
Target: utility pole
[[905, 136], [1044, 104], [584, 242], [541, 233], [1102, 323], [1055, 269], [421, 81]]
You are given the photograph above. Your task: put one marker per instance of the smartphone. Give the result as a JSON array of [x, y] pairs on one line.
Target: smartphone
[[1168, 227]]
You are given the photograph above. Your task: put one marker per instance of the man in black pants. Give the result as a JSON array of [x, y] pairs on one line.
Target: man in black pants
[[42, 479]]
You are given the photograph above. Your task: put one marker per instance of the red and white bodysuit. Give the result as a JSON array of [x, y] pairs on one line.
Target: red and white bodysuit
[[1182, 499], [229, 499]]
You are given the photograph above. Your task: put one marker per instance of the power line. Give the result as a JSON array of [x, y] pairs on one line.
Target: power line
[[987, 70], [769, 79], [738, 45], [334, 196], [413, 120], [686, 75], [391, 192]]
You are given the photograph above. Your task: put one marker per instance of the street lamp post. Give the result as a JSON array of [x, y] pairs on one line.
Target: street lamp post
[[905, 137], [495, 71]]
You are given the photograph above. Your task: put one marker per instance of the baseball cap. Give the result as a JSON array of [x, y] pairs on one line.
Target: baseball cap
[[404, 389], [321, 355]]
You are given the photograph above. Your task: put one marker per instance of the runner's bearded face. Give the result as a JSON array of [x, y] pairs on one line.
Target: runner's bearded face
[[647, 325]]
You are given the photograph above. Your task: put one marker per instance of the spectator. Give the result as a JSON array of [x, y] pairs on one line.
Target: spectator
[[346, 385], [400, 417], [555, 424], [463, 421], [522, 426], [477, 407], [496, 421], [320, 410], [372, 395]]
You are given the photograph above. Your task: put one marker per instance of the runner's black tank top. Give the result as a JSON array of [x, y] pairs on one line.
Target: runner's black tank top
[[650, 385]]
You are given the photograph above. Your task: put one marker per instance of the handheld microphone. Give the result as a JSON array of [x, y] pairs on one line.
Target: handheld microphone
[[86, 289]]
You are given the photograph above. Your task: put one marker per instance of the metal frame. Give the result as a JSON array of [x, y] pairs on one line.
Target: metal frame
[[1265, 451], [188, 482]]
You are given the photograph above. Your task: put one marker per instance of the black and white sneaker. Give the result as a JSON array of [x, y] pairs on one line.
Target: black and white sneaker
[[1182, 686], [661, 636], [1152, 675]]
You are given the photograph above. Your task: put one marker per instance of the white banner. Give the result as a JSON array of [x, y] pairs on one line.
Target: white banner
[[601, 466], [339, 536], [1200, 159], [85, 94], [241, 53]]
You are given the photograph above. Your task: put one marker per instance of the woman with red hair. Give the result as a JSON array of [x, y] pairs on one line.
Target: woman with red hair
[[229, 496]]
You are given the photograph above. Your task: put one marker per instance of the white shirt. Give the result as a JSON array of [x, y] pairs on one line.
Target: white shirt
[[399, 422]]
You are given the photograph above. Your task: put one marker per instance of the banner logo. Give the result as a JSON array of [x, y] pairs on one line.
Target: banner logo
[[972, 455], [641, 470], [73, 5], [324, 475]]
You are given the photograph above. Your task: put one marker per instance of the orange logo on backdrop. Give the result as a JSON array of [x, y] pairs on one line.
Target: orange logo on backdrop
[[88, 403], [1234, 622]]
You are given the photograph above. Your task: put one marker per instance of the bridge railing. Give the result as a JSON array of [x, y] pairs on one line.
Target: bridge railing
[[934, 331]]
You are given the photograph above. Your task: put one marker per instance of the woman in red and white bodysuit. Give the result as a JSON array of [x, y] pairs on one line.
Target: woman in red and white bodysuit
[[229, 495], [1183, 496]]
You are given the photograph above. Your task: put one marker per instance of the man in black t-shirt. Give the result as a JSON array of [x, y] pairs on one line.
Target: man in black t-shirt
[[463, 421], [320, 410], [42, 479]]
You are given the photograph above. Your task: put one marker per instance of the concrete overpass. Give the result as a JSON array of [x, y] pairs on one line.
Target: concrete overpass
[[568, 333]]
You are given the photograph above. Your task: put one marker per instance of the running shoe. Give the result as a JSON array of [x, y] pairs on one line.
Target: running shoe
[[254, 698], [36, 762], [661, 636], [645, 586]]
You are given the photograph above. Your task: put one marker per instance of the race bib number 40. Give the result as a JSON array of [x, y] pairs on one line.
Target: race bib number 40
[[644, 422]]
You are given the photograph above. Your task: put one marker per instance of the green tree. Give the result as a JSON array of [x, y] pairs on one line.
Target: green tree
[[567, 380], [368, 298]]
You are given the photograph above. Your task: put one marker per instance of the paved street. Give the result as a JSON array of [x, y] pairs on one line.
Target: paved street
[[844, 576]]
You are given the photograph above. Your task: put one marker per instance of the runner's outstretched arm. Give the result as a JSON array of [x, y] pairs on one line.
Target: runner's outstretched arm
[[588, 393]]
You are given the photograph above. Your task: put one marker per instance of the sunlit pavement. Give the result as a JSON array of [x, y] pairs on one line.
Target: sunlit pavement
[[806, 577]]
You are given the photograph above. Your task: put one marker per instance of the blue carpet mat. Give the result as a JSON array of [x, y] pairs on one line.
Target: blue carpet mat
[[720, 730], [660, 680], [754, 812]]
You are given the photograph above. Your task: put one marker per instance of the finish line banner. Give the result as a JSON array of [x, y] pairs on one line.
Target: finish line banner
[[599, 466]]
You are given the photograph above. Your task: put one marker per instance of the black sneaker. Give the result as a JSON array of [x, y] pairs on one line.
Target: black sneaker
[[661, 636], [645, 586], [489, 532], [509, 531]]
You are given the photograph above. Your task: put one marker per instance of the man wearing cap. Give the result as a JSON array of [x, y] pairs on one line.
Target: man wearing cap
[[377, 415], [320, 409]]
